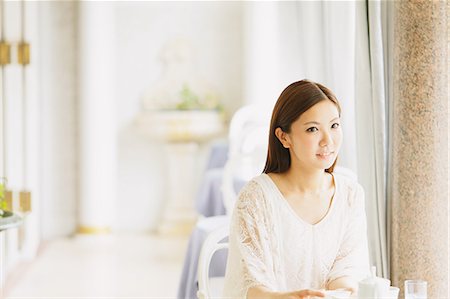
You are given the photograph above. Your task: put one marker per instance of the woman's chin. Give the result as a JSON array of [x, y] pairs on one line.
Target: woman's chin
[[326, 163]]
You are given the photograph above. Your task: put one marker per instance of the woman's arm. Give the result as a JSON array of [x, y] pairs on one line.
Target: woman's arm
[[260, 292], [344, 282]]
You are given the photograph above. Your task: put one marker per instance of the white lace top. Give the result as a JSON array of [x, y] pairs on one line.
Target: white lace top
[[271, 245]]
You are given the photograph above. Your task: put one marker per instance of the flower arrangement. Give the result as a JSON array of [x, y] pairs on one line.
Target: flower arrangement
[[189, 100]]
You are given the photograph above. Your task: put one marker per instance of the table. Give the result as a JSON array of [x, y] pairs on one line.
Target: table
[[10, 220], [187, 288]]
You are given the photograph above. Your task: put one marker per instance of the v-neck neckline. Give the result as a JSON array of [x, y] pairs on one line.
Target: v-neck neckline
[[291, 209]]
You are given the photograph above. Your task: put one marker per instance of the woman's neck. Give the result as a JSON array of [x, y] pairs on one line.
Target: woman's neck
[[306, 181]]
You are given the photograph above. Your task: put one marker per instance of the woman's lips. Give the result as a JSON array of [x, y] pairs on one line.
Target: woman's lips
[[325, 156]]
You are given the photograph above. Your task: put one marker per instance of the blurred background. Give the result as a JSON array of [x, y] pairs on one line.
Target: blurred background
[[119, 119]]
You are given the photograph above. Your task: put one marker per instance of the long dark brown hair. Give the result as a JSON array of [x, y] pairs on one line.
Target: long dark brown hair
[[293, 102]]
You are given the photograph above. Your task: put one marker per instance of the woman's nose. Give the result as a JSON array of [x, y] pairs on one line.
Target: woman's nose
[[326, 140]]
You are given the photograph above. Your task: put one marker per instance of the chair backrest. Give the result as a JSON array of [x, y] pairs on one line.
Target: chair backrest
[[211, 287], [246, 121], [248, 140]]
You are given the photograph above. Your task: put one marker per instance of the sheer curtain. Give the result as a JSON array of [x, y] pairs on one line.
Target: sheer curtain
[[344, 46], [372, 81]]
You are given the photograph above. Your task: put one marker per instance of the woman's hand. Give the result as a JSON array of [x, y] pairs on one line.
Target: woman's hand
[[344, 283], [260, 292], [304, 294]]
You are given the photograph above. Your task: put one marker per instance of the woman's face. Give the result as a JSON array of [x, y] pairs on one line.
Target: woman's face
[[315, 137]]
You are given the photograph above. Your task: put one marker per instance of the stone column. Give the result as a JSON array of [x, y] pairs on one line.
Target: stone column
[[97, 117], [420, 162]]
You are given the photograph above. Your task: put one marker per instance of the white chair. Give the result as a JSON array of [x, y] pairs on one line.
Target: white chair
[[248, 140], [211, 287]]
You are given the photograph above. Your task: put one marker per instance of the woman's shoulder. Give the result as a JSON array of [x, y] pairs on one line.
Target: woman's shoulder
[[348, 182], [257, 181], [256, 189], [254, 186], [349, 188]]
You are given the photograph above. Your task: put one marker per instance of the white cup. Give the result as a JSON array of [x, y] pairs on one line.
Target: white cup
[[393, 292]]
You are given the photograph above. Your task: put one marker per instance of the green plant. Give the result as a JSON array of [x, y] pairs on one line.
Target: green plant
[[2, 197], [190, 100]]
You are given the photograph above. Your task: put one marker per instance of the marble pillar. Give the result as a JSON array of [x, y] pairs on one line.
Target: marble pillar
[[97, 117], [420, 148]]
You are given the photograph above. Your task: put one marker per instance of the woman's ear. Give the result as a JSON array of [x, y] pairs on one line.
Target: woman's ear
[[283, 137]]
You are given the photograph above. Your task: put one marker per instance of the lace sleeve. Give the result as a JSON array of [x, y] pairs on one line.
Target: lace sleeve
[[352, 259], [251, 232]]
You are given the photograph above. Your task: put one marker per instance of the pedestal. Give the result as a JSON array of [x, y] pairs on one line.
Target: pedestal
[[179, 215], [182, 132]]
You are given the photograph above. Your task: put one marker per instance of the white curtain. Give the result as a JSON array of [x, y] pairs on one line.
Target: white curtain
[[372, 82], [343, 46]]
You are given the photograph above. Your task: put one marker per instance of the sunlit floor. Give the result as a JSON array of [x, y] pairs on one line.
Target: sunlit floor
[[113, 266]]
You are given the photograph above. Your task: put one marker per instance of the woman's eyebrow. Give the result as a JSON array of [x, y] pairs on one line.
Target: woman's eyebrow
[[334, 119], [311, 123], [317, 123]]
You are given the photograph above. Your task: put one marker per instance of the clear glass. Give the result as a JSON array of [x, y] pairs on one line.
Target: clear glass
[[415, 289]]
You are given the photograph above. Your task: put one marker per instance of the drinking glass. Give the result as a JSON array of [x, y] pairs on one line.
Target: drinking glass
[[415, 289]]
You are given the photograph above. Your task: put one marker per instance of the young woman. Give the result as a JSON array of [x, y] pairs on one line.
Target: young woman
[[299, 228]]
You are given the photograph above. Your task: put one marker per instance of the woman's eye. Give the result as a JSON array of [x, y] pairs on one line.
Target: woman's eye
[[335, 126], [312, 129]]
